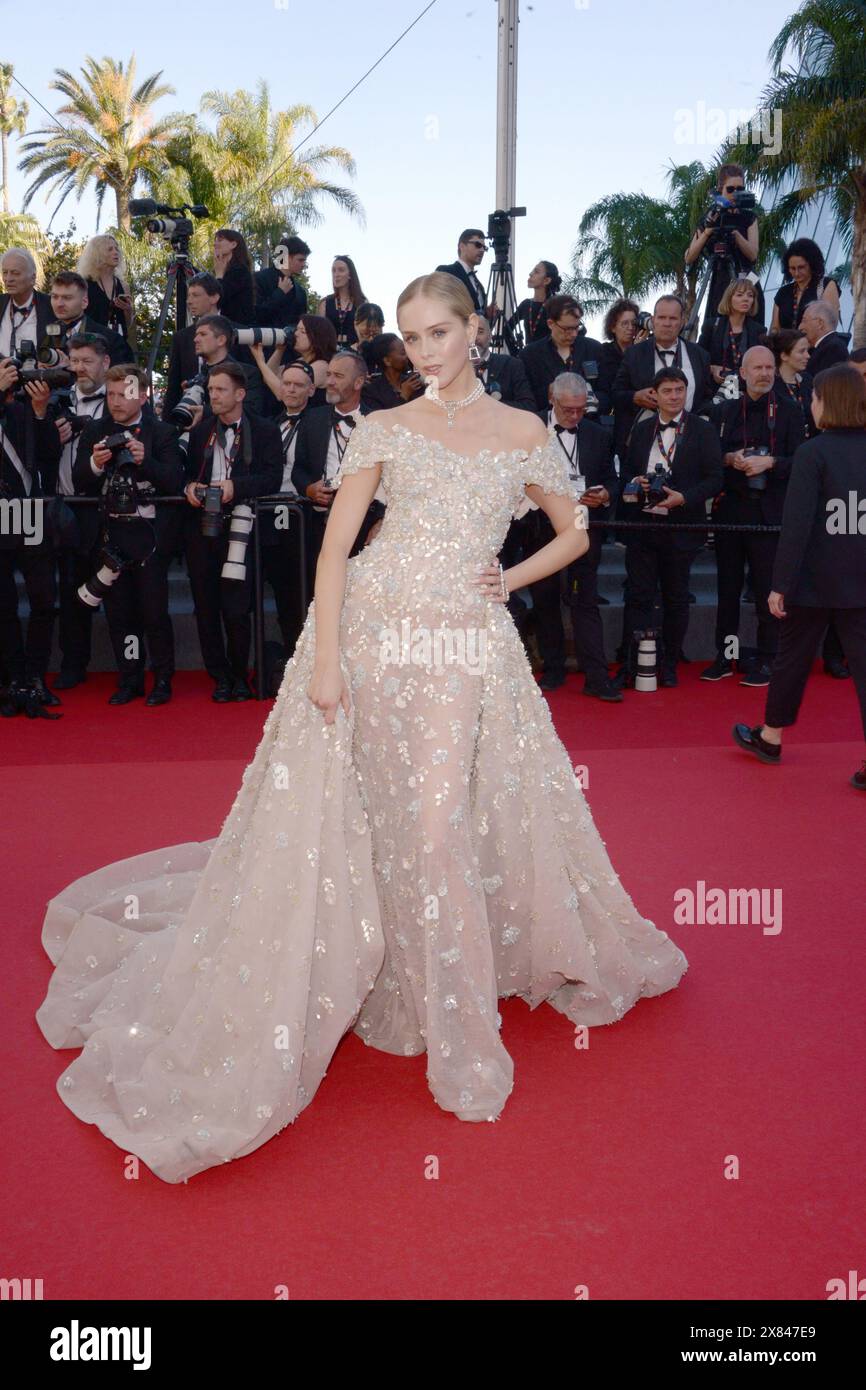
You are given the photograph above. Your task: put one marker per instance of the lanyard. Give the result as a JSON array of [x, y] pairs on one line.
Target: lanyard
[[338, 438], [23, 312], [572, 457], [229, 457], [736, 352], [669, 456]]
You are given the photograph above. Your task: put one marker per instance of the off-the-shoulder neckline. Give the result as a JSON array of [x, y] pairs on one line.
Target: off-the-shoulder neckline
[[466, 458]]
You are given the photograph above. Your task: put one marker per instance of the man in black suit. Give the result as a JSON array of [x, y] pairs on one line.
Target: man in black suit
[[562, 351], [202, 297], [687, 447], [633, 391], [588, 452], [280, 299], [471, 249], [136, 601], [212, 340], [819, 574], [760, 433], [69, 306], [24, 312], [76, 554], [819, 323], [29, 455], [242, 454], [322, 439], [280, 528], [503, 376]]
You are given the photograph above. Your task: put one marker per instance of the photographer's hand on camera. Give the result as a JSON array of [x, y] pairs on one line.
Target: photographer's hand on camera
[[321, 494], [8, 375], [40, 394], [673, 499], [646, 399], [189, 493]]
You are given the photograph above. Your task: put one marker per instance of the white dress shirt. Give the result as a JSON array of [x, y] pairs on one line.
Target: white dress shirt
[[24, 325], [93, 408]]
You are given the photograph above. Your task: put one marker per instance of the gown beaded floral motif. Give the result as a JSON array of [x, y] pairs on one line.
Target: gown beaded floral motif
[[394, 873]]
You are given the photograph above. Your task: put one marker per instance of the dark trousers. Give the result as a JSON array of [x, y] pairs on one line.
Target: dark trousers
[[317, 521], [136, 610], [25, 657], [76, 618], [547, 598], [733, 550], [219, 604], [832, 646], [281, 559], [799, 635], [659, 561], [582, 594]]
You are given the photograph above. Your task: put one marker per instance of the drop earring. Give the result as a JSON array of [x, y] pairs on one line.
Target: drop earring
[[474, 354]]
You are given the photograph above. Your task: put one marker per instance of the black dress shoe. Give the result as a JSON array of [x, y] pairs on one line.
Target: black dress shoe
[[720, 668], [859, 779], [45, 696], [837, 669], [222, 691], [551, 682], [607, 692], [125, 693], [751, 741], [241, 690], [67, 679], [668, 676], [160, 694], [757, 678]]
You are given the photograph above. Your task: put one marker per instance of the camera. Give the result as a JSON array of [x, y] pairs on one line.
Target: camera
[[27, 361], [589, 372], [121, 494], [212, 511], [499, 228], [93, 590], [660, 478], [644, 322], [759, 482], [170, 224], [267, 337], [193, 396]]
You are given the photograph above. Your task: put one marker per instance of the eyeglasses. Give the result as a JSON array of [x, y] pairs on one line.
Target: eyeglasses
[[479, 244]]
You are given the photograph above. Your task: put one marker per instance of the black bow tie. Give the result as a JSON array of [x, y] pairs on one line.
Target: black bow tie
[[99, 396], [566, 429], [671, 425], [346, 420]]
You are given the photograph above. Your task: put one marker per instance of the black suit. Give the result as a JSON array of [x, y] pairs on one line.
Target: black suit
[[477, 292], [656, 558], [137, 602], [741, 503], [579, 581], [542, 364], [506, 378], [637, 372], [44, 315], [225, 603], [37, 446], [275, 308], [820, 567], [118, 348], [311, 457], [830, 351], [279, 535], [183, 364]]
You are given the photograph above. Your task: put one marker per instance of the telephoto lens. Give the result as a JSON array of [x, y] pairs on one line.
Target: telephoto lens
[[265, 337]]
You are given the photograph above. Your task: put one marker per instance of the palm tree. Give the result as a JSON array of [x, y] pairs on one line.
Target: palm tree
[[245, 172], [633, 245], [13, 121], [109, 137], [823, 112]]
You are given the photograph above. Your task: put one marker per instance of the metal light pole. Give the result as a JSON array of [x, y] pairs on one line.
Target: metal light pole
[[506, 114]]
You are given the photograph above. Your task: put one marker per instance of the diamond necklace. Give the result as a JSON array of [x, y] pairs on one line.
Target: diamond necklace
[[452, 407]]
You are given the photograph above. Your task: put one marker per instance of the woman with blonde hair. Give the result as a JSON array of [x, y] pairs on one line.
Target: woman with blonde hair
[[410, 843], [737, 328], [108, 298]]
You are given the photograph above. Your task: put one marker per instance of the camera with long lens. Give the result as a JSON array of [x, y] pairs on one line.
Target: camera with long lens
[[193, 397], [499, 228], [213, 518], [168, 222], [30, 368], [644, 322], [121, 494], [94, 590], [265, 337], [759, 482], [722, 219], [589, 372]]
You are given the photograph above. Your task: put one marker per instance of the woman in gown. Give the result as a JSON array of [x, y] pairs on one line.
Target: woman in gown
[[409, 843]]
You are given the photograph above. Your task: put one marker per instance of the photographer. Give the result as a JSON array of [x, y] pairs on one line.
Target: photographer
[[212, 339], [71, 410], [503, 376], [128, 457], [588, 454], [29, 455], [202, 297], [563, 350], [728, 235], [759, 435], [24, 312], [369, 324], [69, 305], [634, 395], [240, 454], [280, 300], [391, 381], [471, 250], [674, 465]]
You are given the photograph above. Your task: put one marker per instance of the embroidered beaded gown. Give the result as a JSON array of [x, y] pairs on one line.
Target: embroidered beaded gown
[[393, 873]]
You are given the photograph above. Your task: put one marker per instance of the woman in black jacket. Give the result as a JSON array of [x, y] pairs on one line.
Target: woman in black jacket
[[735, 329], [233, 267], [820, 568]]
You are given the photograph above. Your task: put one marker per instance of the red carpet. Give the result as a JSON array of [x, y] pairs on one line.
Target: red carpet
[[607, 1168]]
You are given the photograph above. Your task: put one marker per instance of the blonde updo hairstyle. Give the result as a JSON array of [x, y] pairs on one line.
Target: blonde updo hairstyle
[[444, 287]]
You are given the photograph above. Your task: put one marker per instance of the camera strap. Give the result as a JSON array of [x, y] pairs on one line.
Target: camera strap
[[21, 313], [8, 450], [668, 454], [771, 420], [241, 442]]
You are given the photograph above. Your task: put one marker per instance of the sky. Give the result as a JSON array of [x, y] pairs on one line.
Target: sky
[[609, 93]]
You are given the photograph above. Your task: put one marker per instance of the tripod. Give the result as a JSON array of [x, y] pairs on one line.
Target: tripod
[[501, 275], [180, 269], [690, 332]]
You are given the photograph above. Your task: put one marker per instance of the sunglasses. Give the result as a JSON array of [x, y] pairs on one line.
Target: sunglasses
[[734, 187], [479, 244]]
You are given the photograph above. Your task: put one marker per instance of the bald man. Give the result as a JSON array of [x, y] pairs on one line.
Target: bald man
[[760, 434]]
